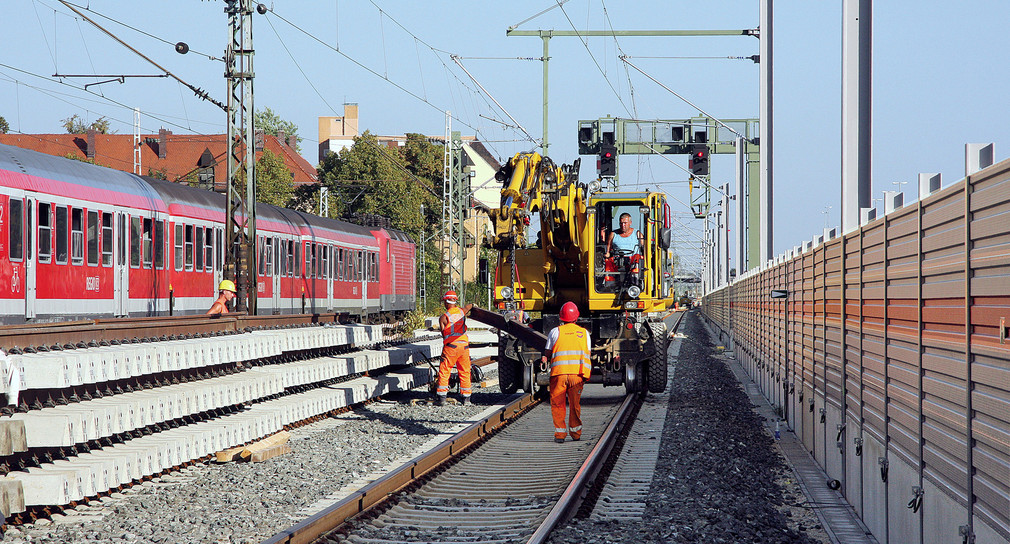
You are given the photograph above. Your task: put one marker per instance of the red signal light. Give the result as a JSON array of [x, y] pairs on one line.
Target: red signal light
[[607, 155]]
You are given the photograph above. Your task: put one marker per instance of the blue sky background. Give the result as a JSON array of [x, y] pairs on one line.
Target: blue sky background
[[940, 79]]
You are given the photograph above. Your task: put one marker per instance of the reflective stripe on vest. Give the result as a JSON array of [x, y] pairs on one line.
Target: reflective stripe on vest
[[455, 333], [570, 354]]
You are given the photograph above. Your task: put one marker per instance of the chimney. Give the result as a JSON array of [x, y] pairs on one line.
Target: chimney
[[258, 140], [292, 141], [282, 137], [163, 143], [91, 143]]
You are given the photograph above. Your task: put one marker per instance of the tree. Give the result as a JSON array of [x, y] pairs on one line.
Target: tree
[[370, 178], [75, 125], [4, 127], [274, 181], [271, 123]]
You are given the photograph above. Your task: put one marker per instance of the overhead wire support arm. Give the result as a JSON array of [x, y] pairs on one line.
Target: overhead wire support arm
[[196, 90]]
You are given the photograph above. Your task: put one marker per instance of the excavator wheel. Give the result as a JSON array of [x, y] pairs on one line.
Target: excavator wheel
[[654, 366], [509, 375]]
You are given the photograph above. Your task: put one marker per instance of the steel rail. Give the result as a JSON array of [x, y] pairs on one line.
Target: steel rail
[[585, 478], [373, 494], [124, 329]]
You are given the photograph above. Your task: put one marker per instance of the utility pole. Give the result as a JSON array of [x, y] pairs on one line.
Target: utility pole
[[240, 227]]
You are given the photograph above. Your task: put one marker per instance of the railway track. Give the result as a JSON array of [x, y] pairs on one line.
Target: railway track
[[502, 479], [95, 419]]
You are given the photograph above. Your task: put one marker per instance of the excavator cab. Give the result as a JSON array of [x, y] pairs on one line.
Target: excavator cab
[[620, 249]]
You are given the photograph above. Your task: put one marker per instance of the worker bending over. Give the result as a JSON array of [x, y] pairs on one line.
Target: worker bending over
[[226, 292]]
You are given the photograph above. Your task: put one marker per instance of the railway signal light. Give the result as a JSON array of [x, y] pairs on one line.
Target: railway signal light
[[608, 160], [699, 160]]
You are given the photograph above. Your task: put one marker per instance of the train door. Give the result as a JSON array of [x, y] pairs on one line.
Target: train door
[[276, 276], [328, 255], [20, 218], [218, 257], [121, 275], [363, 275], [30, 268]]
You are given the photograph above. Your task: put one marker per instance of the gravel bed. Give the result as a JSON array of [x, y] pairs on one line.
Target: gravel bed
[[247, 502], [720, 478]]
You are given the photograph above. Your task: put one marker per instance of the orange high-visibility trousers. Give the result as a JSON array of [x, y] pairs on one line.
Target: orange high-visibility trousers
[[566, 387], [454, 355]]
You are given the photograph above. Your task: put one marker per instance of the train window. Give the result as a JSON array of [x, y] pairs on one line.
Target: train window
[[268, 256], [387, 250], [326, 261], [198, 245], [28, 230], [76, 236], [291, 257], [298, 258], [148, 242], [189, 247], [208, 262], [92, 238], [122, 239], [45, 232], [135, 242], [361, 265], [178, 246], [160, 245], [61, 235], [277, 256], [220, 249], [375, 267], [260, 257], [339, 264], [16, 229], [107, 239], [310, 260]]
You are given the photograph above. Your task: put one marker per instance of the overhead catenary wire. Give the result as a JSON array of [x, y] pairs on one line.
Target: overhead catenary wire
[[477, 83], [675, 93], [356, 62]]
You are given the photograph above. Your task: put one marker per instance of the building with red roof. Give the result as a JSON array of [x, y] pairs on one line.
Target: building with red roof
[[199, 158]]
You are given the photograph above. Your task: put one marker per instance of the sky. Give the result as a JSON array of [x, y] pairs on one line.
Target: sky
[[939, 80]]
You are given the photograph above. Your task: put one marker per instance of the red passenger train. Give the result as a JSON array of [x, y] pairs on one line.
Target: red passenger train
[[83, 241]]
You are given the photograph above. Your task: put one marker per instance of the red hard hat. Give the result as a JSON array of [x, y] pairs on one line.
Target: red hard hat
[[569, 312], [450, 295]]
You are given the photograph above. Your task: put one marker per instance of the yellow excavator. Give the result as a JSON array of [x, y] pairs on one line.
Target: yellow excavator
[[620, 297]]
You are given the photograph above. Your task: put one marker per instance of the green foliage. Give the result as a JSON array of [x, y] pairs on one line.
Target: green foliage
[[369, 178], [413, 321], [157, 174], [76, 125], [271, 123], [77, 157], [274, 183], [4, 127]]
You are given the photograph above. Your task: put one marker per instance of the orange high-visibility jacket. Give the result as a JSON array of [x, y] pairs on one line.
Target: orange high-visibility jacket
[[455, 332], [570, 353]]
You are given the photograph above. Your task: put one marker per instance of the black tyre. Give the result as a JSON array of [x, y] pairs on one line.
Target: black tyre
[[655, 367], [509, 375]]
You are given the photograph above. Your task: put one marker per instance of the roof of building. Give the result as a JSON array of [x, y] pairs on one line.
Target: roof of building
[[183, 154]]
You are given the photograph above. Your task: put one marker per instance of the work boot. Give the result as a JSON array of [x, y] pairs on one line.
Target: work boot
[[559, 440], [439, 400], [466, 401]]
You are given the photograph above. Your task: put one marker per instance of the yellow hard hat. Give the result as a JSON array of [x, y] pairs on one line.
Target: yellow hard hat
[[227, 285]]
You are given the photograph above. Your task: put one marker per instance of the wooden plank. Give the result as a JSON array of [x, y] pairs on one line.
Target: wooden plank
[[269, 453]]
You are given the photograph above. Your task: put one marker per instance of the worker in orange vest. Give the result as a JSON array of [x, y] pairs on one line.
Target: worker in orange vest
[[455, 349], [226, 292], [568, 349]]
